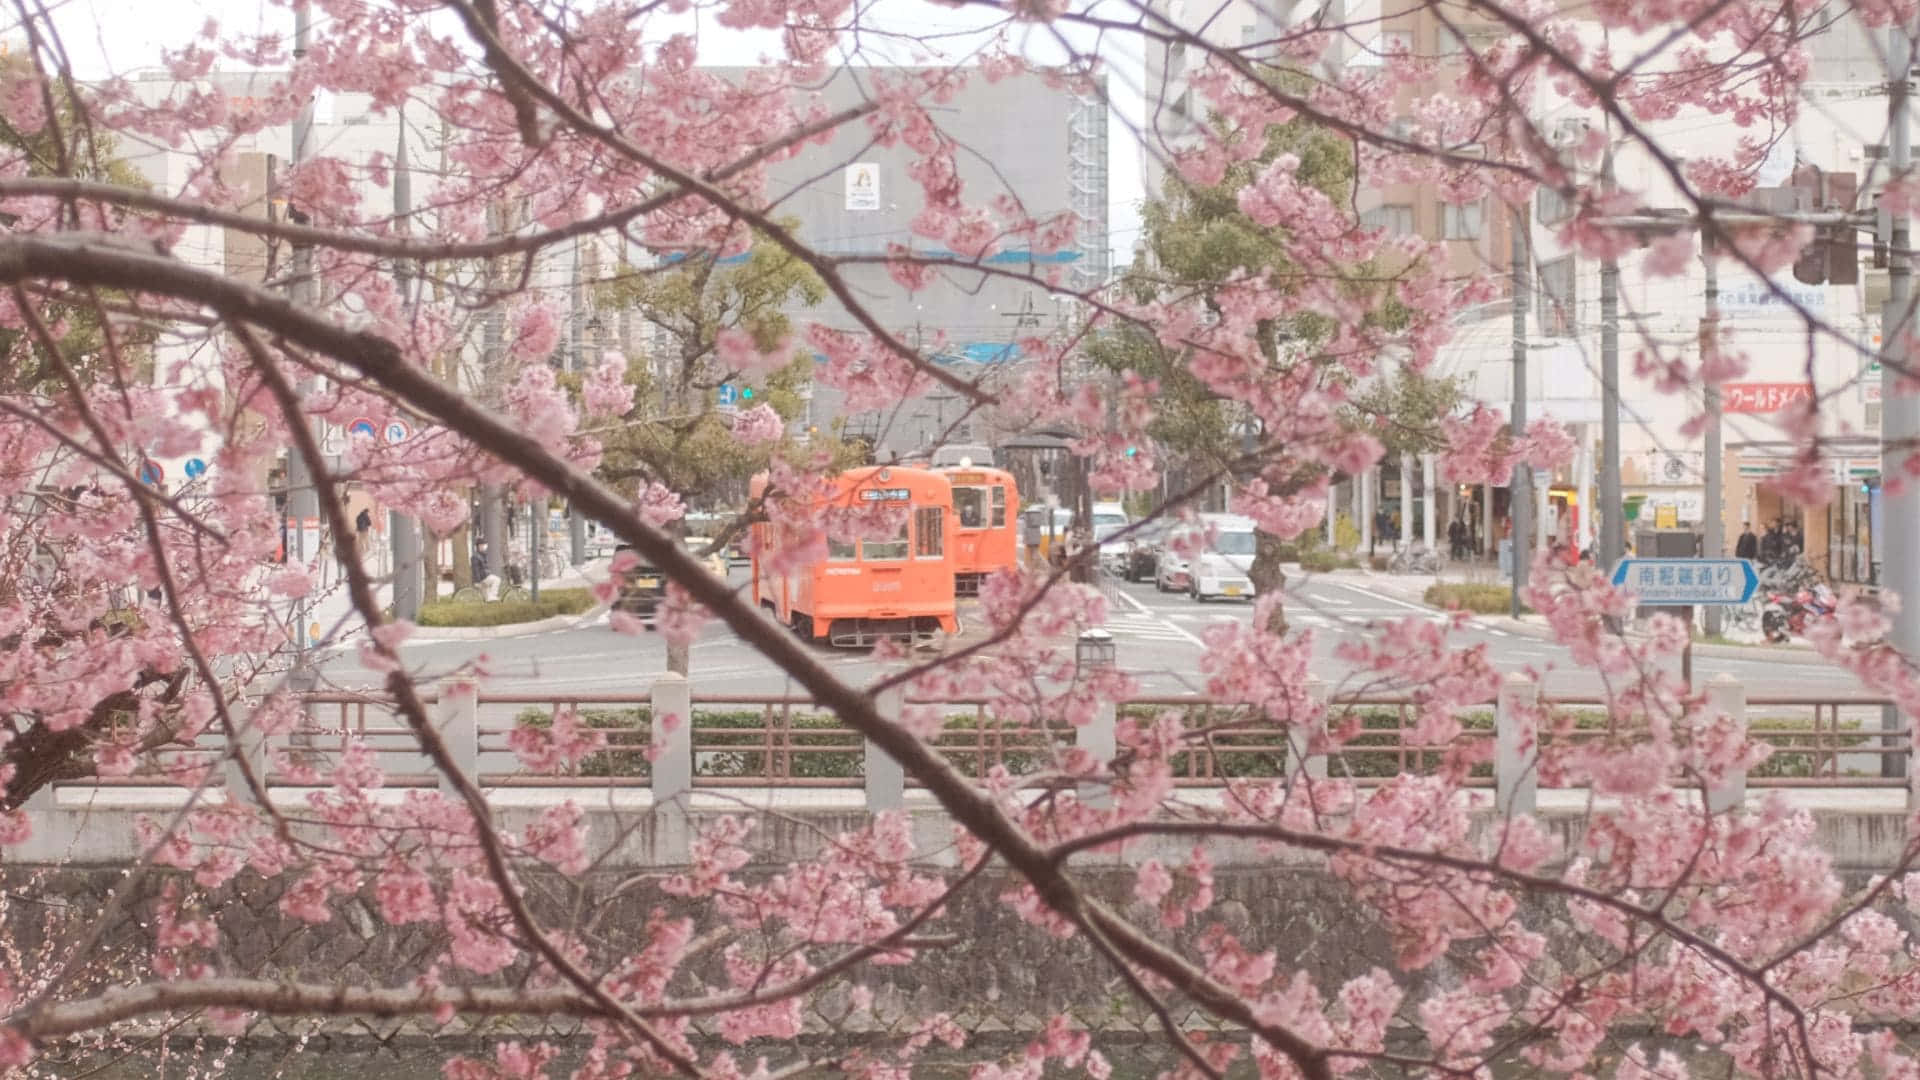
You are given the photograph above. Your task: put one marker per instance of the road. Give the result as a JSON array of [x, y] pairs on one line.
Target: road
[[1157, 635]]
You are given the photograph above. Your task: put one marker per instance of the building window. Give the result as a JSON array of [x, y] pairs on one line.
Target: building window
[[1393, 41], [1448, 43], [1462, 222], [1396, 218], [927, 533], [1553, 208], [1556, 298]]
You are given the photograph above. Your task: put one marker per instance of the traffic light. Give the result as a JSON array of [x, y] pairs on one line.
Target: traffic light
[[1833, 256], [746, 393], [1133, 451]]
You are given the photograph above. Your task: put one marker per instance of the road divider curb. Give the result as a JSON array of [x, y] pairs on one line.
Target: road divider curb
[[511, 630]]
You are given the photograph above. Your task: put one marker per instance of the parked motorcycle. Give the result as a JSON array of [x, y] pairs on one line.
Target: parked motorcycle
[[1795, 595]]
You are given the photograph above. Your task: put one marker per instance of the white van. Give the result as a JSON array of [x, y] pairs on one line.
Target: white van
[[1224, 568]]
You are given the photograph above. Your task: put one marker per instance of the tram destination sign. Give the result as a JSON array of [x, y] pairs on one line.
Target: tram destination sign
[[1680, 582], [884, 495]]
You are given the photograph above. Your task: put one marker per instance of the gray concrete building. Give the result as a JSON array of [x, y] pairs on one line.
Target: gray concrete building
[[1018, 137]]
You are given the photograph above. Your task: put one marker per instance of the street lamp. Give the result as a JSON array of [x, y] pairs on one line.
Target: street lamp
[[1095, 649]]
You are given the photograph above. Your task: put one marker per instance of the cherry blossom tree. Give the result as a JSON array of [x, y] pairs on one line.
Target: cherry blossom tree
[[143, 621]]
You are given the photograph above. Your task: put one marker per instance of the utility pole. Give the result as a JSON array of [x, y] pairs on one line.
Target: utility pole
[[1899, 412], [576, 362], [1520, 492], [303, 500], [402, 531], [493, 526], [1716, 538], [1613, 525], [536, 525]]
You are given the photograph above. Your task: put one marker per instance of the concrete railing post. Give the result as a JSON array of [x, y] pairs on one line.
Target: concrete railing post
[[459, 724], [672, 772], [886, 780], [1727, 695], [1100, 742], [1300, 757], [246, 753], [1516, 747]]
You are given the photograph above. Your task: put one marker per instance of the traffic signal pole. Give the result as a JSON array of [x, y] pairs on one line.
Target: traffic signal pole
[[1715, 541], [1520, 492], [303, 499], [403, 533], [1899, 412]]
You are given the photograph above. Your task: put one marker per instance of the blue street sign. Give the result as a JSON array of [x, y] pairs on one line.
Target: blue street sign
[[150, 472], [195, 468], [728, 394], [1678, 582]]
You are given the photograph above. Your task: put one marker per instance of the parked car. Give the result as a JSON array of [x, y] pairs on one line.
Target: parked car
[[716, 563], [1170, 568], [642, 587], [1109, 520], [709, 525], [1224, 568], [1143, 550]]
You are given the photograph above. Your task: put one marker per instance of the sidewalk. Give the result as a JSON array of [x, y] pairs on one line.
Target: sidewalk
[[1411, 589]]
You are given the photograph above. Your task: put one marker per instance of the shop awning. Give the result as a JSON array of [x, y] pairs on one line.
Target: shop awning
[[1851, 459]]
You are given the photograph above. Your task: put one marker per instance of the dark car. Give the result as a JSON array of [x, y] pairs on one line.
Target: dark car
[[642, 587], [1143, 550]]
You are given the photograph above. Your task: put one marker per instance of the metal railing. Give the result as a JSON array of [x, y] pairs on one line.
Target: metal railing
[[777, 741]]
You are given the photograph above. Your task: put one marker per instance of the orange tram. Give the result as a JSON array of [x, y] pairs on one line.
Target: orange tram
[[986, 535], [899, 587]]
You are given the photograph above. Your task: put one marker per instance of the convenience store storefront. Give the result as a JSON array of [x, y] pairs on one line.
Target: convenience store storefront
[[1842, 536]]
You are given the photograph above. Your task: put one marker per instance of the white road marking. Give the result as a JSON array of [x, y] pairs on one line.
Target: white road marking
[[1145, 623], [1395, 601]]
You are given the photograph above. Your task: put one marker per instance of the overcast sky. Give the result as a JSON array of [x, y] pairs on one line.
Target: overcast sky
[[101, 39]]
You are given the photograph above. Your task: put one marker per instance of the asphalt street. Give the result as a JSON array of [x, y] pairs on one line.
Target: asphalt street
[[1157, 636]]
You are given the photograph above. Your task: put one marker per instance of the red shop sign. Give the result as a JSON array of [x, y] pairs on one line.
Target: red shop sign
[[1762, 397]]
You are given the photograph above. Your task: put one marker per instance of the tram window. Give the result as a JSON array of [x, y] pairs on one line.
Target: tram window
[[999, 506], [927, 538], [886, 550], [840, 551], [970, 506]]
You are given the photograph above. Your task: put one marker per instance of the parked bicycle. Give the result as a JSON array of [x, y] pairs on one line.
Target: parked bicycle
[[1414, 559]]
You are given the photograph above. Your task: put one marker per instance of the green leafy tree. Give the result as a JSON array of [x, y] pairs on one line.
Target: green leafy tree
[[1197, 238], [677, 434], [62, 146]]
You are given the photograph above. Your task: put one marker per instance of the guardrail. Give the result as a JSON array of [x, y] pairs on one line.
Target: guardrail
[[774, 741]]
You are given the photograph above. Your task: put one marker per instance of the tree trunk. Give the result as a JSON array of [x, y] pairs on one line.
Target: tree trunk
[[462, 559], [1268, 577], [429, 565], [679, 654]]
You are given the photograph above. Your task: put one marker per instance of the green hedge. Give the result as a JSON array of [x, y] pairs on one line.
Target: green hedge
[[498, 613], [1320, 561], [1479, 599], [817, 746], [822, 749]]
